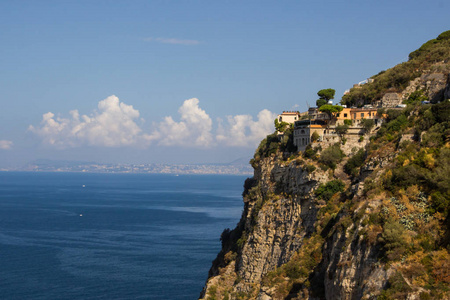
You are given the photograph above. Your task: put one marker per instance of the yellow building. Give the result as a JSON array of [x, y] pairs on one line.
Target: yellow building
[[356, 115], [303, 129]]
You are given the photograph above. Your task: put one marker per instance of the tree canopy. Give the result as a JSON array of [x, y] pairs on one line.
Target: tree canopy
[[321, 102], [325, 95], [330, 109], [281, 126]]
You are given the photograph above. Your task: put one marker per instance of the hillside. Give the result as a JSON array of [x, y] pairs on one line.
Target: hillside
[[366, 220], [420, 73]]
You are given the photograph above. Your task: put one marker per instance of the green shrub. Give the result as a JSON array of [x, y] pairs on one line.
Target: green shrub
[[416, 97], [354, 162], [268, 146], [310, 152], [314, 136], [444, 36], [393, 236], [326, 191], [310, 168], [281, 126], [397, 124], [348, 122], [367, 124], [331, 156], [397, 288], [441, 111], [436, 135], [393, 114], [287, 141]]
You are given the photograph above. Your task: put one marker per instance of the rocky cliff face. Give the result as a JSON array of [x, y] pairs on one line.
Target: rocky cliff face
[[281, 212], [434, 84], [312, 232], [364, 220]]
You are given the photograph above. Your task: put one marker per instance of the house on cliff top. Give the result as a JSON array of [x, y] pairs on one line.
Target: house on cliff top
[[324, 127]]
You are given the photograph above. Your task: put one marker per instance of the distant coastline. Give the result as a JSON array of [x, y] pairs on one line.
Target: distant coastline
[[92, 167]]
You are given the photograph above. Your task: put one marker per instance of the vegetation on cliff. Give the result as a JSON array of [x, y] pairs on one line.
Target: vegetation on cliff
[[434, 55]]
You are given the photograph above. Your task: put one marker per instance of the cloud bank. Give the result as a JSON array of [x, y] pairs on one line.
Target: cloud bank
[[112, 125], [243, 131], [194, 128], [5, 145], [116, 124]]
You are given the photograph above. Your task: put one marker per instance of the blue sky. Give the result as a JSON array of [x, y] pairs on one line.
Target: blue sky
[[184, 81]]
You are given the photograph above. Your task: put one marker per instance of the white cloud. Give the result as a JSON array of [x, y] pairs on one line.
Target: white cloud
[[113, 125], [243, 131], [5, 145], [172, 41], [194, 128]]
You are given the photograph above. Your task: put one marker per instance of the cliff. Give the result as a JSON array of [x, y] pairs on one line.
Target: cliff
[[364, 220]]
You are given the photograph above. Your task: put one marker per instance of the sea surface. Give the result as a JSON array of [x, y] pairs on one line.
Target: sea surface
[[112, 236]]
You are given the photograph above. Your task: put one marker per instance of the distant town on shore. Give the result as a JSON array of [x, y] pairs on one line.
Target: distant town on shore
[[238, 167]]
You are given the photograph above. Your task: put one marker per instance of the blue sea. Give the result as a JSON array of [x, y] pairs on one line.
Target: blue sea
[[112, 236]]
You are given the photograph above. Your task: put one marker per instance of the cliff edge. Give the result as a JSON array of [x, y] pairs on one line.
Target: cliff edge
[[358, 219]]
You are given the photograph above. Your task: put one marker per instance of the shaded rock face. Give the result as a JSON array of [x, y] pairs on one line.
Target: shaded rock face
[[288, 214], [279, 211], [447, 89], [350, 267]]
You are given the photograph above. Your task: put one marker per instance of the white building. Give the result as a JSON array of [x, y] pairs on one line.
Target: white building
[[289, 117]]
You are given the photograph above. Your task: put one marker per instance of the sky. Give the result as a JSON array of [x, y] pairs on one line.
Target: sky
[[184, 81]]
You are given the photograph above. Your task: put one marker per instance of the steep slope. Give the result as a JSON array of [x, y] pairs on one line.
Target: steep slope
[[368, 220], [426, 71]]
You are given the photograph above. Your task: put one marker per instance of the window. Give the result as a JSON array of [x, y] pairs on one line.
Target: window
[[302, 131], [362, 115], [345, 115], [337, 115]]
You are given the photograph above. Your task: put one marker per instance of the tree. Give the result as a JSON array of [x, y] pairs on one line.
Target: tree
[[367, 124], [281, 126], [331, 156], [314, 136], [321, 102], [325, 95], [330, 109]]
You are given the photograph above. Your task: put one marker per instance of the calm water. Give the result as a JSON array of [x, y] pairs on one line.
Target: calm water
[[119, 237]]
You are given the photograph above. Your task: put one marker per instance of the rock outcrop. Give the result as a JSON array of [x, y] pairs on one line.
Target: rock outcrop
[[435, 85]]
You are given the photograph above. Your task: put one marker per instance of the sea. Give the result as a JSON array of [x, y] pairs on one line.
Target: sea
[[112, 236]]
